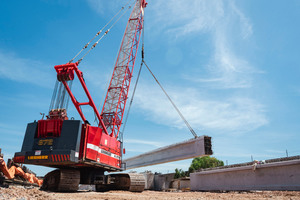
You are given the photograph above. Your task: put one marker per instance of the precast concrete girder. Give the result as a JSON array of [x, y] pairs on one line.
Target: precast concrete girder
[[197, 147]]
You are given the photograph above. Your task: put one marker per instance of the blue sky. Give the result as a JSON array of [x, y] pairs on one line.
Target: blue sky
[[232, 67]]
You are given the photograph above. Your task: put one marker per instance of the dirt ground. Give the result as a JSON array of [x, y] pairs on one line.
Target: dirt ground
[[21, 193]]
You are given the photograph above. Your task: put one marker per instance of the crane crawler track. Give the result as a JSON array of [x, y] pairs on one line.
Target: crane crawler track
[[137, 182], [132, 182], [63, 180]]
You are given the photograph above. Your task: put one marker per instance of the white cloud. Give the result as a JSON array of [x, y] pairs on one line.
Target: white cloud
[[227, 68], [224, 22], [246, 27], [24, 70], [233, 114], [181, 18]]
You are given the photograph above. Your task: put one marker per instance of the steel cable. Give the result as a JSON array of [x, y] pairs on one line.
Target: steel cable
[[99, 32], [105, 33], [134, 90], [176, 108]]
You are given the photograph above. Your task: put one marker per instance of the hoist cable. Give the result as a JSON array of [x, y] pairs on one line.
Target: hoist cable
[[59, 94], [53, 95], [176, 108], [60, 97], [68, 98], [106, 32], [134, 90], [131, 100], [99, 32]]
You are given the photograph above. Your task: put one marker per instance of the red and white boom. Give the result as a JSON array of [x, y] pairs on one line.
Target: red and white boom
[[117, 93]]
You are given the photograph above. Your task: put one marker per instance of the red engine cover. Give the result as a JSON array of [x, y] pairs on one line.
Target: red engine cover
[[49, 128]]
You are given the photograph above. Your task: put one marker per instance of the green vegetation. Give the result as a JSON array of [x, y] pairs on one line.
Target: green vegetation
[[180, 173], [205, 162], [199, 163]]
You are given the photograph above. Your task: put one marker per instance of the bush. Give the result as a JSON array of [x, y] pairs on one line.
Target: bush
[[205, 162], [180, 173], [199, 163]]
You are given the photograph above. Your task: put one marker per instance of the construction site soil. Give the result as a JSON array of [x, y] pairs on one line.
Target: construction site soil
[[21, 193]]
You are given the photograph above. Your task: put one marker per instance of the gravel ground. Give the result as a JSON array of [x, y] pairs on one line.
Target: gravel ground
[[21, 193]]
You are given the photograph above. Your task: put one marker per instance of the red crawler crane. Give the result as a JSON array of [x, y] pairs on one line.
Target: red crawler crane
[[81, 152]]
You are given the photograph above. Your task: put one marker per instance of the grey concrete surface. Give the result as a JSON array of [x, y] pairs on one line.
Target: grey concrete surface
[[283, 175], [149, 178], [183, 183], [158, 181], [163, 181], [197, 147]]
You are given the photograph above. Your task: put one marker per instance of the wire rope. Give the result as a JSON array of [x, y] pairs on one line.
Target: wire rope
[[99, 32], [105, 33], [176, 108]]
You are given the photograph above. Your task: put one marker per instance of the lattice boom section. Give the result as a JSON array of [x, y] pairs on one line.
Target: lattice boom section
[[115, 101]]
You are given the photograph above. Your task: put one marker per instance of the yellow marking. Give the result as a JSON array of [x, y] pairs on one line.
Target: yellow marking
[[45, 142], [37, 157]]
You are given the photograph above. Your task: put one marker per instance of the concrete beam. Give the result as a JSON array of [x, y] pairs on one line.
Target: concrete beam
[[200, 146], [283, 175]]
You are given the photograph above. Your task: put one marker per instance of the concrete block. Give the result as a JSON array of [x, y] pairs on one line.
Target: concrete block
[[283, 175], [149, 184], [163, 181], [180, 184]]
